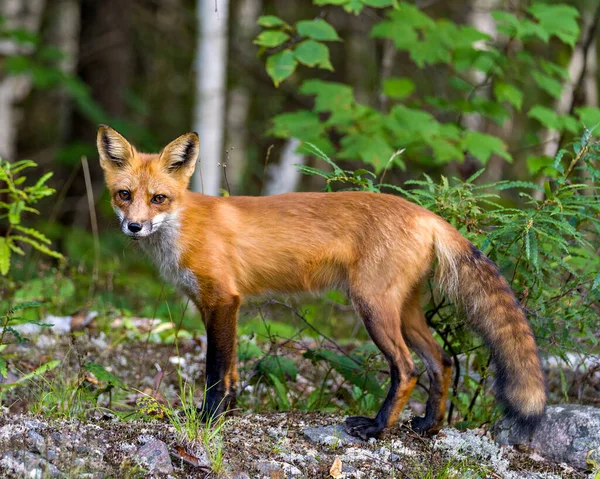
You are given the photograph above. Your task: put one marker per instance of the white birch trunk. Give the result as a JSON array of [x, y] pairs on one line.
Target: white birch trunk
[[64, 34], [285, 177], [551, 138], [14, 88], [480, 17], [239, 102], [211, 59], [590, 82]]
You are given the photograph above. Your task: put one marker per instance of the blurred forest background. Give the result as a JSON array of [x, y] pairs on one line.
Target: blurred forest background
[[147, 68], [367, 94]]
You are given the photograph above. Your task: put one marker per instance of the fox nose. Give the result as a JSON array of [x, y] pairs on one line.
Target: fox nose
[[134, 227]]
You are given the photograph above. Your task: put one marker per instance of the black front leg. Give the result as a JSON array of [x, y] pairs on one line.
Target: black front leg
[[221, 365]]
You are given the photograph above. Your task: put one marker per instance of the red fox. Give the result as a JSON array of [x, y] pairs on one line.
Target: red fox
[[378, 248]]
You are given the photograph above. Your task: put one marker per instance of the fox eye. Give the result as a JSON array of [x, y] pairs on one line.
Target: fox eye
[[124, 195], [158, 199]]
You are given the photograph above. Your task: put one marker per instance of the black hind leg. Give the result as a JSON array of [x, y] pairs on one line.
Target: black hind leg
[[383, 325], [437, 362]]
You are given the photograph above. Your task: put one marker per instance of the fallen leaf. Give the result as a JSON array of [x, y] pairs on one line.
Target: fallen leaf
[[336, 468]]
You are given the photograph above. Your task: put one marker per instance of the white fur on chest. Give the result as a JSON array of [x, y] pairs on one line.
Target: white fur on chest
[[163, 247]]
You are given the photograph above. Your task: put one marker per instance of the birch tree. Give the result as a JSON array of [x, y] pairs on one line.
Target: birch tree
[[285, 177], [14, 88], [209, 115], [64, 33], [577, 69], [239, 98]]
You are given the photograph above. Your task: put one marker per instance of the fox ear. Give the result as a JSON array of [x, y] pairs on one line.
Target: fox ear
[[115, 151], [179, 156]]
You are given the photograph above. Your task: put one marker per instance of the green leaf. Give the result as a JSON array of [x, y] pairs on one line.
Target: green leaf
[[283, 402], [356, 374], [588, 115], [334, 97], [317, 29], [281, 65], [509, 93], [35, 233], [548, 84], [280, 366], [482, 146], [539, 164], [552, 120], [37, 372], [14, 213], [460, 84], [304, 125], [545, 116], [596, 281], [373, 149], [103, 375], [559, 20], [312, 53], [16, 334], [379, 3], [248, 350], [354, 6], [269, 21], [271, 38], [4, 256], [3, 368], [507, 23], [40, 247], [25, 305], [398, 87]]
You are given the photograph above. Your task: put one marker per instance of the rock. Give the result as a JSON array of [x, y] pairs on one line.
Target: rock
[[28, 464], [154, 455], [334, 435], [274, 469], [37, 443], [239, 475], [567, 433]]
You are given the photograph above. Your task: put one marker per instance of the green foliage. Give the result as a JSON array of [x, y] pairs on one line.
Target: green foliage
[[417, 116], [354, 368], [10, 335], [103, 375], [547, 250], [286, 46], [279, 367], [20, 199]]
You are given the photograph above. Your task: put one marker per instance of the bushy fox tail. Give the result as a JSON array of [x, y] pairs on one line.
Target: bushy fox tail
[[475, 285]]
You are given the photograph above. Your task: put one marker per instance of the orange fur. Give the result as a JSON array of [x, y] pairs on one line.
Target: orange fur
[[378, 248]]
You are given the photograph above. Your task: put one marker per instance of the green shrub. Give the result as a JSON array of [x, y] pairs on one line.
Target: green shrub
[[20, 199], [545, 248]]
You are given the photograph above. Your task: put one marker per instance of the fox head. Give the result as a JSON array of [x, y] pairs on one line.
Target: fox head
[[146, 190]]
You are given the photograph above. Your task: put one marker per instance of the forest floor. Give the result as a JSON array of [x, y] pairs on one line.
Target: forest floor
[[75, 422], [271, 445]]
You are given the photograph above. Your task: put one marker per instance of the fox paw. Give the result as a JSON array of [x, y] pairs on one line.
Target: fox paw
[[422, 426], [362, 427]]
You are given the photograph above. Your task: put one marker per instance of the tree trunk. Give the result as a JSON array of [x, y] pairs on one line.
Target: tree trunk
[[106, 64], [566, 103], [284, 177], [64, 34], [14, 88], [239, 100], [480, 17], [211, 60]]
